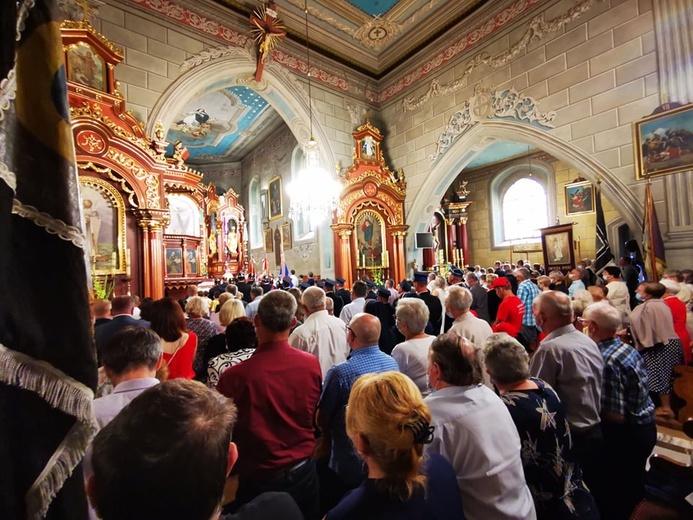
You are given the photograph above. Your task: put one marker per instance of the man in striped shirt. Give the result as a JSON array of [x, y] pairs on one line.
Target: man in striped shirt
[[527, 290]]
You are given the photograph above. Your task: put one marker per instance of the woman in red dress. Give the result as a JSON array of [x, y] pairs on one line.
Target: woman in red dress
[[179, 345], [678, 311]]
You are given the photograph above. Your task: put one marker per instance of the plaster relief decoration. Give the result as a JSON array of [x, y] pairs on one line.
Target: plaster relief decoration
[[490, 104], [209, 125], [213, 53], [305, 251], [537, 29], [357, 114]]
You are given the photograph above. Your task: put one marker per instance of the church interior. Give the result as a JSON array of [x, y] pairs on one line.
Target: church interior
[[369, 140]]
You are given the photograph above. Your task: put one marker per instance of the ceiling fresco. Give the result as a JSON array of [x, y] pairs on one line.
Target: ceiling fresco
[[372, 36], [216, 126]]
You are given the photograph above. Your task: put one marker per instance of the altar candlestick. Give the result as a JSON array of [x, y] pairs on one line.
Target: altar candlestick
[[128, 270]]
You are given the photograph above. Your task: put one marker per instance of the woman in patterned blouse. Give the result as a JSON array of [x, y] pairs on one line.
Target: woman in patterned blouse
[[553, 478]]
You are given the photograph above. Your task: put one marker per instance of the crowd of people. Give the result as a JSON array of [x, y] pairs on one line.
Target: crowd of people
[[504, 393]]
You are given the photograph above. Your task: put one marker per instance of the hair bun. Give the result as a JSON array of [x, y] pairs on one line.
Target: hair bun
[[421, 430]]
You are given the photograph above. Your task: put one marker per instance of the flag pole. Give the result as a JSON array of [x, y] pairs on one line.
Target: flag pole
[[648, 217]]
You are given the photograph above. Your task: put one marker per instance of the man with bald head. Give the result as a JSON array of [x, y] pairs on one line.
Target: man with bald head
[[366, 357], [572, 364]]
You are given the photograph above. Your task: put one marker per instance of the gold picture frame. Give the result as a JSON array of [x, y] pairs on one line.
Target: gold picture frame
[[103, 211], [286, 236], [670, 152], [579, 198], [269, 240], [274, 190]]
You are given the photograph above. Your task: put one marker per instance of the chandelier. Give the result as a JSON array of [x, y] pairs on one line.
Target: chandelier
[[314, 193]]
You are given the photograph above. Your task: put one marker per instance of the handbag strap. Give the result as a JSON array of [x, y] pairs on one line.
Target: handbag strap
[[178, 347]]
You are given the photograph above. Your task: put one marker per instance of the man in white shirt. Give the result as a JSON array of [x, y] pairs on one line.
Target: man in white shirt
[[358, 300], [458, 303], [475, 432], [576, 283], [322, 335], [617, 292]]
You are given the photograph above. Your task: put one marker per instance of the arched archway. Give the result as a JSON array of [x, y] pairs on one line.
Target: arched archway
[[445, 171], [282, 90]]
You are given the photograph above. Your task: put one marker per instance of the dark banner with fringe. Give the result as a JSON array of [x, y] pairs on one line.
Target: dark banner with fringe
[[47, 360]]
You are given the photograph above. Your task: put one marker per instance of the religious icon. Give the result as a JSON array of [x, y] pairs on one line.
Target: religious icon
[[174, 261], [104, 225], [86, 67], [232, 239], [368, 146], [268, 31], [275, 198], [190, 261], [369, 238], [579, 198]]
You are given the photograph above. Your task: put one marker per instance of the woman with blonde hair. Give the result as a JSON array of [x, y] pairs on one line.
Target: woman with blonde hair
[[233, 308], [388, 423], [223, 298], [544, 283]]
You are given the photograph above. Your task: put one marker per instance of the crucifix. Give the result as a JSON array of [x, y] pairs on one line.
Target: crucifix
[[268, 31]]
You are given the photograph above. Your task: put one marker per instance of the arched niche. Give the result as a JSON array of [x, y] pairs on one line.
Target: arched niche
[[485, 133]]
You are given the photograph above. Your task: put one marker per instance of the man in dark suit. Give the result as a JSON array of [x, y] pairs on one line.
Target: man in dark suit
[[121, 309], [244, 288], [479, 298], [342, 292], [329, 292], [455, 277], [102, 312], [435, 308]]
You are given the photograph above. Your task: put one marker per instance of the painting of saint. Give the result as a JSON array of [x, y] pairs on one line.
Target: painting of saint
[[559, 253], [368, 146], [275, 198], [369, 237], [100, 227], [190, 261], [185, 216], [579, 198], [86, 67], [174, 261]]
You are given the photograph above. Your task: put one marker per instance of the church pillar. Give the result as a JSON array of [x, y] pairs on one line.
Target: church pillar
[[398, 268], [344, 265], [464, 241], [153, 253]]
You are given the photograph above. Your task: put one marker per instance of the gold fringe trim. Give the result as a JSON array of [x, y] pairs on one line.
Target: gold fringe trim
[[62, 393]]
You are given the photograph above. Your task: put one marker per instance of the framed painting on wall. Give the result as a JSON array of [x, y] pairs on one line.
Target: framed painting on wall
[[264, 205], [370, 231], [663, 143], [269, 240], [286, 236], [104, 225], [85, 66], [557, 243], [579, 198], [191, 264], [174, 261], [275, 198]]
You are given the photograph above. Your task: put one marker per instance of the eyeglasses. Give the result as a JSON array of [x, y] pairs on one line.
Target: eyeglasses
[[349, 329], [583, 321]]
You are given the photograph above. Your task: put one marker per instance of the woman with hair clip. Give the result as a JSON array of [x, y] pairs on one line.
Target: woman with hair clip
[[388, 423]]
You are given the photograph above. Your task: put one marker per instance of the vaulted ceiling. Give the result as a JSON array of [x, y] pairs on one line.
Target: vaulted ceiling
[[371, 36]]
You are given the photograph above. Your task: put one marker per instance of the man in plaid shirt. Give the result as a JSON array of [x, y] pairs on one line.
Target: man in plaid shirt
[[627, 412], [527, 290]]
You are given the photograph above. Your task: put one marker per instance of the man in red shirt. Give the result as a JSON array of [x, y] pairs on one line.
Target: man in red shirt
[[276, 392], [510, 311]]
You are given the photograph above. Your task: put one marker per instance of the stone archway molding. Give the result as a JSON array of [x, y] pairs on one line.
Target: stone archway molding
[[281, 89], [473, 142]]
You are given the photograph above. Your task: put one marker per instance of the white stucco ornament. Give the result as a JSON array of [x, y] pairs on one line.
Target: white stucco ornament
[[490, 104]]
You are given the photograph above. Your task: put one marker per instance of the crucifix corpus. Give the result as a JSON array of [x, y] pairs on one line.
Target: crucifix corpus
[[267, 31]]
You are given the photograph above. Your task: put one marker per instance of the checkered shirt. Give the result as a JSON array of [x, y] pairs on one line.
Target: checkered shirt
[[624, 387], [526, 292]]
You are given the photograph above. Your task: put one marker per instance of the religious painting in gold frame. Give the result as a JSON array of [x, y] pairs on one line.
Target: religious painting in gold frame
[[103, 211], [370, 238], [579, 198], [85, 66], [286, 236], [275, 198], [269, 240]]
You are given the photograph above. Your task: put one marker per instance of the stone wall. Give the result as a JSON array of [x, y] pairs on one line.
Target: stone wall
[[598, 72], [480, 218]]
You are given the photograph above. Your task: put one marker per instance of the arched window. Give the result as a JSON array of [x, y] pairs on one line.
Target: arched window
[[521, 203], [524, 210], [303, 229], [255, 214]]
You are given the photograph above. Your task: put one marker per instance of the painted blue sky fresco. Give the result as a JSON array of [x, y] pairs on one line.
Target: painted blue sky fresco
[[373, 7], [212, 123]]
